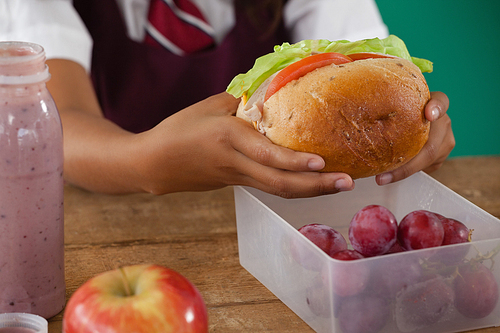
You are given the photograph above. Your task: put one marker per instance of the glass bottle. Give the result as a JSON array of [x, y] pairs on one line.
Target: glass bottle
[[31, 185]]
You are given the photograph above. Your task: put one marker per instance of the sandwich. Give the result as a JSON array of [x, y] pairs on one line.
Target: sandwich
[[359, 105]]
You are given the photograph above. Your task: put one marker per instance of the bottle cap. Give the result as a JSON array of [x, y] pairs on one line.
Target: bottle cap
[[23, 323]]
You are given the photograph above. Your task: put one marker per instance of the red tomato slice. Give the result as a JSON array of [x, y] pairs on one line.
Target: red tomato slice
[[367, 55], [302, 67]]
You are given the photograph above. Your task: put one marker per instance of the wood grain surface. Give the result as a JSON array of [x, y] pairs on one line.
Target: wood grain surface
[[195, 234]]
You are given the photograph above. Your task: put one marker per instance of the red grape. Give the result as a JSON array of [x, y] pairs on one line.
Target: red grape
[[363, 314], [423, 304], [325, 237], [318, 301], [396, 248], [347, 255], [373, 230], [476, 290], [439, 216], [348, 279], [420, 229], [455, 232], [393, 275]]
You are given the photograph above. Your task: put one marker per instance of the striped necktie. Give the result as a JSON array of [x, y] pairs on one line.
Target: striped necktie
[[178, 26]]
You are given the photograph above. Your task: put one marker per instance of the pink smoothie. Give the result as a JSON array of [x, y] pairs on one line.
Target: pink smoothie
[[31, 189]]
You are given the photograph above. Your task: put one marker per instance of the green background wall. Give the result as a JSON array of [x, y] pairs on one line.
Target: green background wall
[[462, 39]]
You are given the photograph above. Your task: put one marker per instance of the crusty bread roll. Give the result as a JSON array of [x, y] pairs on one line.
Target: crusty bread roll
[[364, 118]]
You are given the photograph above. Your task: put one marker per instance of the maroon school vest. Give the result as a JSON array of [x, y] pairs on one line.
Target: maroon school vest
[[139, 85]]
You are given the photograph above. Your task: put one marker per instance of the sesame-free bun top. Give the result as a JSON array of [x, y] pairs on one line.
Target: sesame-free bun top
[[364, 118]]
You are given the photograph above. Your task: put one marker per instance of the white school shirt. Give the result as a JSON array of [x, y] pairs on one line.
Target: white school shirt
[[56, 26]]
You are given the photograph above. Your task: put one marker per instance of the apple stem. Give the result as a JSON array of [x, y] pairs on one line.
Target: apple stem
[[128, 291]]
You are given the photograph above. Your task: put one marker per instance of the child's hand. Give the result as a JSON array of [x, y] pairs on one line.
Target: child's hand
[[439, 145], [206, 147]]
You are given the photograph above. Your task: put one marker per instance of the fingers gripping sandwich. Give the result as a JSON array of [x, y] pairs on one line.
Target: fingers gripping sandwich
[[359, 105]]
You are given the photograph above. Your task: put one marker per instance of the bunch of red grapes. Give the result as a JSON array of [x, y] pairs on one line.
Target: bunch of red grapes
[[423, 289]]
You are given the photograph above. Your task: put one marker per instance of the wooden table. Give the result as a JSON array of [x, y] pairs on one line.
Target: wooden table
[[195, 234]]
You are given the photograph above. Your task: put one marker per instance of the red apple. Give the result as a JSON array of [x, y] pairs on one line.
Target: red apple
[[140, 299]]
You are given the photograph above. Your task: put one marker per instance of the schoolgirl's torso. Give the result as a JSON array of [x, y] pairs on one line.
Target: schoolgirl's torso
[[139, 85]]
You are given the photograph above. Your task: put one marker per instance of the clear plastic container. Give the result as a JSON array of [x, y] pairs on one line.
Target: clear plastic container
[[413, 291], [31, 185], [22, 323]]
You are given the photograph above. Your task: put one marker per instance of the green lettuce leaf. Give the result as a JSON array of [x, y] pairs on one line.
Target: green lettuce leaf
[[286, 54]]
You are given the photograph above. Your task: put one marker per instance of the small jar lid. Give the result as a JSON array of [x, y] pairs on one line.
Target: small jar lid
[[23, 323]]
